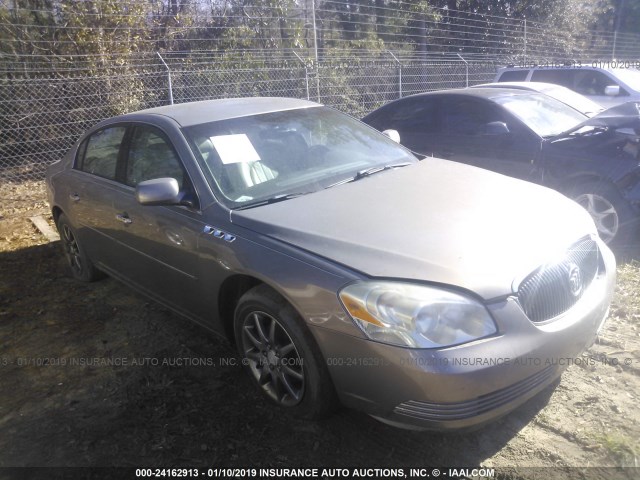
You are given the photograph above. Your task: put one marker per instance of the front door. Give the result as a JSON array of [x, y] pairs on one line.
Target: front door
[[159, 243], [477, 132]]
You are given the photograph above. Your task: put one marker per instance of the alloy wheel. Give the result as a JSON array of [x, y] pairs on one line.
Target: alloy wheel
[[273, 358], [72, 250], [603, 212]]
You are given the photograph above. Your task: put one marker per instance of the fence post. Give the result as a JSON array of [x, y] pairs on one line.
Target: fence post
[[306, 73], [318, 82], [399, 73], [315, 31], [315, 48], [617, 27], [168, 78], [525, 43], [466, 64]]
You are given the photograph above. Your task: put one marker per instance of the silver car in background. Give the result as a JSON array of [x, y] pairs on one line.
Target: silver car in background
[[601, 81], [428, 294]]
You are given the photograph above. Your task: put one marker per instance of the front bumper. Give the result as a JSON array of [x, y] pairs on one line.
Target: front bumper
[[468, 385]]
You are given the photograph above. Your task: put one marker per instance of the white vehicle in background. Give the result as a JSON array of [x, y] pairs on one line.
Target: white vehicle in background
[[607, 87], [564, 94]]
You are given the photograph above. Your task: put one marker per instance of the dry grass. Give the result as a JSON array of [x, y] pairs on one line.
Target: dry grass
[[621, 449], [18, 202]]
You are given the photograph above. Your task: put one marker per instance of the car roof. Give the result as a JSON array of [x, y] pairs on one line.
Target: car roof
[[195, 113], [533, 86], [486, 92], [585, 66]]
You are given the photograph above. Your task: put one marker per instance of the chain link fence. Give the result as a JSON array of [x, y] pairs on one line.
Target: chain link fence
[[43, 117], [63, 70], [360, 88], [51, 90]]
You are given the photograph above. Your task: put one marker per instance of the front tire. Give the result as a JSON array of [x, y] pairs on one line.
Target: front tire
[[612, 214], [281, 356], [81, 266]]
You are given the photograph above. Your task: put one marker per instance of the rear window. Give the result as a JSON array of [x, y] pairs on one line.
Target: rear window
[[513, 76], [98, 154], [559, 77]]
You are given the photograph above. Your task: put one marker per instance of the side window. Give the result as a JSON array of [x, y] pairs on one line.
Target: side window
[[559, 77], [592, 82], [151, 156], [414, 117], [514, 76], [469, 117], [99, 153]]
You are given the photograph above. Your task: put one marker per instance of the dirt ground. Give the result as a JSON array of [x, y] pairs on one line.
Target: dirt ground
[[97, 375]]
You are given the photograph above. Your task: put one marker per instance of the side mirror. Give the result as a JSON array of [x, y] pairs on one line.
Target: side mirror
[[159, 191], [612, 90], [496, 128], [392, 134]]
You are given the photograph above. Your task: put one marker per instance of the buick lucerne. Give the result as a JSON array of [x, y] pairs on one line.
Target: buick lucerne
[[344, 269]]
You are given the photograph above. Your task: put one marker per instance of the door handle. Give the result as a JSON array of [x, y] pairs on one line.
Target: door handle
[[74, 196], [124, 218]]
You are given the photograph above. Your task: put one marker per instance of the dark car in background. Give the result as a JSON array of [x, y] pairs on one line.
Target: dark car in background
[[564, 94], [534, 137], [340, 265]]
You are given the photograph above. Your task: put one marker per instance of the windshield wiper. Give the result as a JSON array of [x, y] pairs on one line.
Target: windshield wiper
[[274, 199], [367, 172], [593, 129]]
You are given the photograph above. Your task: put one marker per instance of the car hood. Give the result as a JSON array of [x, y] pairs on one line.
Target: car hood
[[626, 115], [435, 221]]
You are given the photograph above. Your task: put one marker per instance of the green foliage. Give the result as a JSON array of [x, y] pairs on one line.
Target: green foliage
[[26, 30], [111, 27]]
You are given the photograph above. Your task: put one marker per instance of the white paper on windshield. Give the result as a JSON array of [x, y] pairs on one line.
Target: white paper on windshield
[[235, 148]]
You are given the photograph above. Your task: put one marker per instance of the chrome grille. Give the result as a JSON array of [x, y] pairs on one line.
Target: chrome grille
[[554, 288]]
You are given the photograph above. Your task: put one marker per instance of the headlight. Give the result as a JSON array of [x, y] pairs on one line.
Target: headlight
[[414, 315]]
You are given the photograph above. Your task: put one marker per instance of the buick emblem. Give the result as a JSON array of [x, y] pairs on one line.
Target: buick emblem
[[575, 279]]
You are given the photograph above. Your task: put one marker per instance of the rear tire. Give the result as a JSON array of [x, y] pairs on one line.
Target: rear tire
[[281, 356], [81, 266], [614, 218]]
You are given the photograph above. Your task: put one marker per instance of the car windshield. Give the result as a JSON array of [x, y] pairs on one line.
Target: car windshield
[[546, 116], [573, 99], [630, 76], [283, 154]]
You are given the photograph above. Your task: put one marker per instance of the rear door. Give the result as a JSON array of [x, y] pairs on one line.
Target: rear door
[[91, 187]]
